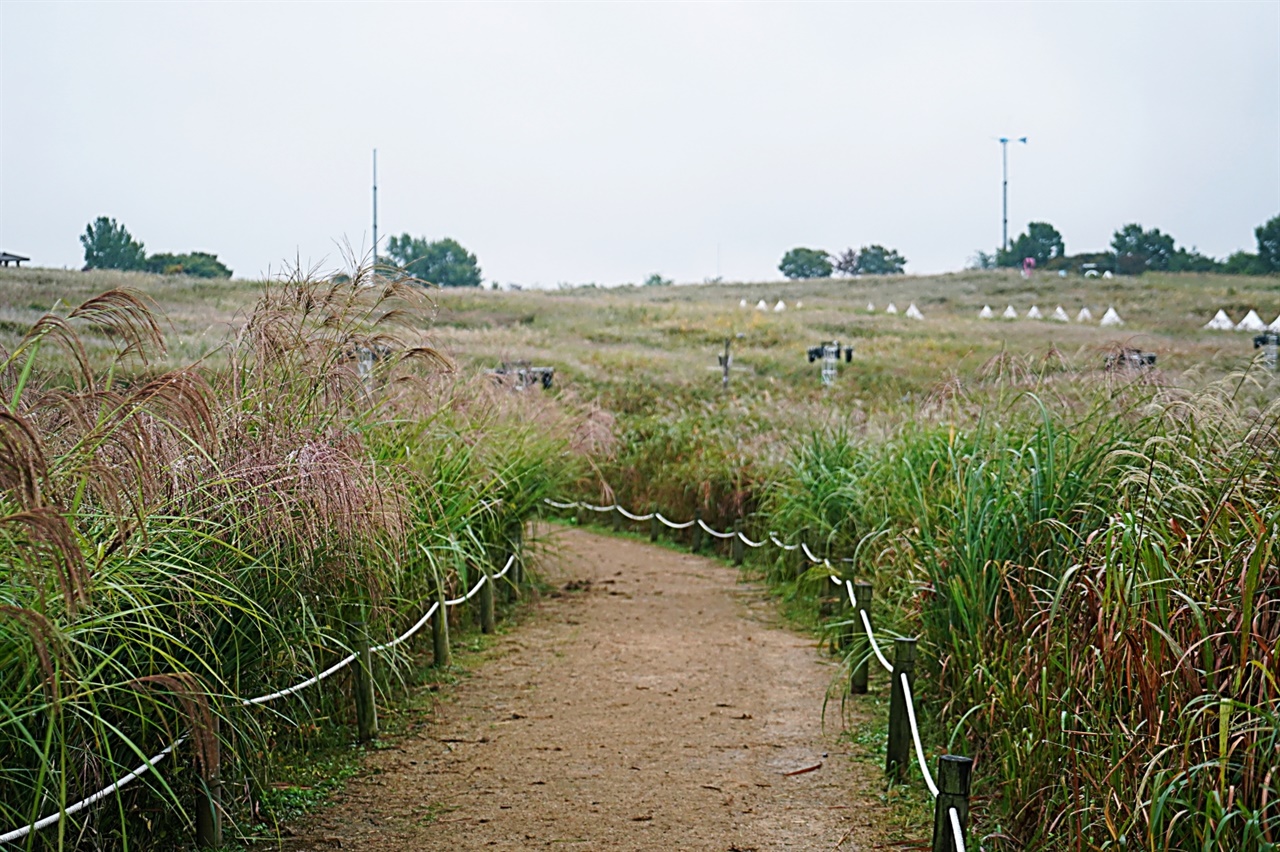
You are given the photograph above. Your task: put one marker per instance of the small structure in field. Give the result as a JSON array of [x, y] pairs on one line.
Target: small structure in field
[[523, 375], [1034, 313], [1059, 315], [742, 304], [1085, 315], [1220, 322], [892, 309], [871, 309], [1269, 343], [7, 258], [1010, 313], [1275, 324], [761, 306], [1111, 318], [1129, 359], [781, 306], [986, 312], [1251, 322], [913, 312]]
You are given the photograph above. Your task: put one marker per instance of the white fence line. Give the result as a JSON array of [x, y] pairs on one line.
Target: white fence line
[[45, 822]]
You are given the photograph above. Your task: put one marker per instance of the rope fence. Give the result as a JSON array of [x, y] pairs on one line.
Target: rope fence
[[364, 697], [951, 787]]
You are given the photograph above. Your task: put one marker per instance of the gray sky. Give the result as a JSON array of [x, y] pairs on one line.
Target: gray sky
[[602, 142]]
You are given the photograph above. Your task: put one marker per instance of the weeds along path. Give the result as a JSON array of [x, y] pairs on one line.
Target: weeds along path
[[653, 703]]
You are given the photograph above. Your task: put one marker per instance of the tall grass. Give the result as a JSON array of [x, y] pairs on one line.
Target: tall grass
[[1092, 569], [173, 540]]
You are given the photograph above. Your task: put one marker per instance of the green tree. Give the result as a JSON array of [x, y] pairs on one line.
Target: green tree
[[1268, 235], [199, 264], [1244, 263], [806, 263], [1190, 260], [441, 262], [656, 280], [878, 260], [1138, 250], [1041, 241], [109, 245]]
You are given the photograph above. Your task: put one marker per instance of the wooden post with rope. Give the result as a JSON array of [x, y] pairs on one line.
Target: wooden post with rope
[[898, 753], [861, 644]]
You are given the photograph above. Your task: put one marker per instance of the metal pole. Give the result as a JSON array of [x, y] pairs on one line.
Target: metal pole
[[375, 209], [1004, 193]]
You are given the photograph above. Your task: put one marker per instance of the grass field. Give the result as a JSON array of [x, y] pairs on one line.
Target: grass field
[[1088, 557]]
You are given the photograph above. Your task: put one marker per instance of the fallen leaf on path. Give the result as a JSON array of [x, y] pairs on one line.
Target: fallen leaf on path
[[813, 768]]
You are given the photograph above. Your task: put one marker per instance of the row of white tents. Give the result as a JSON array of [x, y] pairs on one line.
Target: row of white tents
[[1058, 315], [1251, 322]]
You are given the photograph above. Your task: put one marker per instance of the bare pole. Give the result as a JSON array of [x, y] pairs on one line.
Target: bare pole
[[1004, 194], [375, 210]]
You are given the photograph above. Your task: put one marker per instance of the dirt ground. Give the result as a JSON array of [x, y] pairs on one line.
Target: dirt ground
[[654, 703]]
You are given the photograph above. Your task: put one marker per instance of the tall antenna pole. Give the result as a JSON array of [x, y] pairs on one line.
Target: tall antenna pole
[[1004, 194], [375, 210], [1004, 188]]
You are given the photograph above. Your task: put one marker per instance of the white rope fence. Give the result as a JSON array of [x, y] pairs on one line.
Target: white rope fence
[[51, 819], [953, 818]]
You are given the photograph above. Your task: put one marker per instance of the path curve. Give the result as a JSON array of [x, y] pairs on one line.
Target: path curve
[[653, 703]]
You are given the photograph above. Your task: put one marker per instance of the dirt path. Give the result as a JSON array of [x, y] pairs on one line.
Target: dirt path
[[658, 706]]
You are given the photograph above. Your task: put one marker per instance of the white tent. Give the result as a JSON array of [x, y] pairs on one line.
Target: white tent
[[1111, 318], [1085, 315], [1251, 322], [871, 309], [913, 312], [1059, 315], [743, 303], [1107, 274], [1275, 324], [986, 312], [1220, 322], [781, 306], [761, 306], [1010, 313], [892, 309], [799, 305], [1034, 313]]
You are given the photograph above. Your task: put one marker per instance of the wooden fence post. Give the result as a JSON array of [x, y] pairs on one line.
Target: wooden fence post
[[655, 525], [861, 644], [739, 549], [617, 518], [954, 774], [488, 623], [898, 754], [209, 796], [696, 544], [441, 657], [366, 708], [582, 516]]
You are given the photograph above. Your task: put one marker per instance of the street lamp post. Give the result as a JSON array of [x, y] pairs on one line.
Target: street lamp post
[[1004, 188]]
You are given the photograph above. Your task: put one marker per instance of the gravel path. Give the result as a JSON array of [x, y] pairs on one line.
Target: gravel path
[[653, 704]]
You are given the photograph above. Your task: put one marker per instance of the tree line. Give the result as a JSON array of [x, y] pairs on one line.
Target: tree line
[[1135, 250], [816, 263], [109, 245]]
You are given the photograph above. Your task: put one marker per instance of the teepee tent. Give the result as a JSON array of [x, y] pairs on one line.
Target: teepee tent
[[913, 312], [1251, 322], [1085, 315], [871, 309], [1220, 322], [986, 312], [1059, 315], [743, 303], [892, 309], [1010, 313], [1111, 318], [1275, 324], [781, 306], [1034, 313], [761, 306]]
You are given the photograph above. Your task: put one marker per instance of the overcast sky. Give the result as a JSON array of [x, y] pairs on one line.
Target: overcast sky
[[602, 142]]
